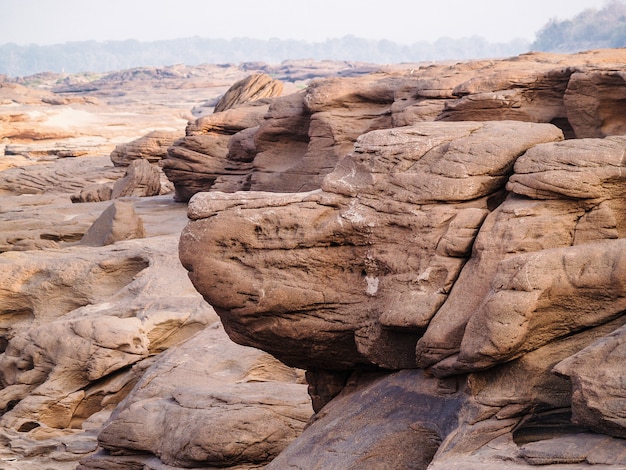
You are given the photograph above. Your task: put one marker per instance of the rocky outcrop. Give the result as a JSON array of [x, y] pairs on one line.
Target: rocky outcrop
[[303, 137], [455, 289], [241, 411], [152, 147], [359, 263], [195, 162], [444, 258], [81, 324]]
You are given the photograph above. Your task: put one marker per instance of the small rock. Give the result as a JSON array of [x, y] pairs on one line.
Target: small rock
[[118, 222]]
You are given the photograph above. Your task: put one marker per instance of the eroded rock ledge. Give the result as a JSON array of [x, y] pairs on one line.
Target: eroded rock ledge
[[455, 290]]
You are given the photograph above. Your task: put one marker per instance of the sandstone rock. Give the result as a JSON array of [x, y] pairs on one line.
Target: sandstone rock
[[94, 193], [581, 169], [363, 293], [589, 449], [595, 101], [27, 245], [488, 253], [207, 403], [532, 294], [59, 176], [70, 335], [294, 155], [152, 147], [597, 377], [118, 222], [251, 88], [91, 320], [380, 421], [194, 162], [141, 179], [579, 202]]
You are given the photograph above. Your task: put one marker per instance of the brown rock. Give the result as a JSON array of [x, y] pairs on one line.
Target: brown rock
[[141, 179], [251, 88], [94, 193], [71, 335], [194, 162], [387, 421], [152, 147], [579, 449], [118, 222], [255, 406], [597, 376], [59, 176], [343, 244], [580, 202], [595, 103]]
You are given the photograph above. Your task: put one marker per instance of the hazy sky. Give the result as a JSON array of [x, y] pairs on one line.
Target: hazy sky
[[402, 21]]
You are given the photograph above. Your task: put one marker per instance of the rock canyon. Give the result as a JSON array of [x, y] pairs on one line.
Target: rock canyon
[[316, 265]]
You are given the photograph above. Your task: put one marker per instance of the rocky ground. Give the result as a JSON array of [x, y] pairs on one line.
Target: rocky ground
[[421, 266]]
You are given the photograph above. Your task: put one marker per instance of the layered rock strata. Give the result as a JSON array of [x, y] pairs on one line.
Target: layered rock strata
[[302, 137], [455, 290]]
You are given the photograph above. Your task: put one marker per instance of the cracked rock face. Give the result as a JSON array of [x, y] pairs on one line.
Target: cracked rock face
[[208, 402], [362, 275], [471, 267]]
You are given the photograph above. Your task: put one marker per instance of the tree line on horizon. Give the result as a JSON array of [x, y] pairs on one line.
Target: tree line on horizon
[[591, 29], [94, 56]]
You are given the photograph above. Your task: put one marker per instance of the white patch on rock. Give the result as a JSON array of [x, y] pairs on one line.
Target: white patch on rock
[[372, 285]]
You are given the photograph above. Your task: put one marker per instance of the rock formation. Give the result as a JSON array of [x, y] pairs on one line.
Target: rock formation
[[456, 289], [436, 249], [194, 407], [118, 222], [304, 135], [82, 322], [152, 147]]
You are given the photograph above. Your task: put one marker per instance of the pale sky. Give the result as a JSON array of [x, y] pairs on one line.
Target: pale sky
[[402, 21]]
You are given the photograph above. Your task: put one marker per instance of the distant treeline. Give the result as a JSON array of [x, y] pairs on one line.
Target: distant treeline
[[590, 29], [106, 56]]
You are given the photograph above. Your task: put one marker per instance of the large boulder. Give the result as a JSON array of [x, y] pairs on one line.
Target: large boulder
[[363, 275]]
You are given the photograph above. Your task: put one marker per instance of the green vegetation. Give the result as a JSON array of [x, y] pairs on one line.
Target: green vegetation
[[591, 29]]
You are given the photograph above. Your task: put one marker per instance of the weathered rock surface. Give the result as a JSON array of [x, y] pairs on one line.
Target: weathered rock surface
[[251, 88], [197, 160], [152, 147], [80, 325], [59, 176], [71, 336], [359, 267], [117, 223], [379, 420], [141, 179], [487, 252], [233, 412], [446, 267], [303, 137]]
